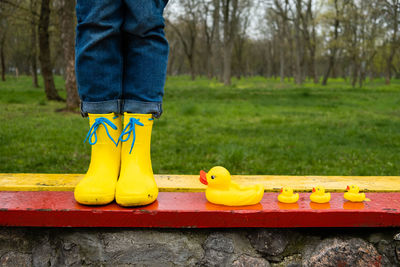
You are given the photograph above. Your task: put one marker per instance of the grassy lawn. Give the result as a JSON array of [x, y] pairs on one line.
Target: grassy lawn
[[255, 126]]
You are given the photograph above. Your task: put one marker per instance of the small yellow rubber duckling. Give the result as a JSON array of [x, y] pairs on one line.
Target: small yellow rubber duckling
[[222, 191], [353, 194], [287, 196], [319, 196]]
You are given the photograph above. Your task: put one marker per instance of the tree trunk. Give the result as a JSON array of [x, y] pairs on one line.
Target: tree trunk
[[216, 47], [2, 59], [299, 76], [334, 48], [67, 9], [230, 9], [171, 59], [44, 56], [226, 77], [269, 59], [282, 63], [312, 67], [313, 49], [394, 6], [282, 48], [227, 63], [290, 68], [209, 34], [33, 53], [355, 71], [387, 74], [389, 60], [329, 69], [191, 65]]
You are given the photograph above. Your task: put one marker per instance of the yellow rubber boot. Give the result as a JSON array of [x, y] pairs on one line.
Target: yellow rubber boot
[[98, 185], [136, 185]]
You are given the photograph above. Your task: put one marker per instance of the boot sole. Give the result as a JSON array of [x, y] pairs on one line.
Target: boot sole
[[131, 201], [95, 199]]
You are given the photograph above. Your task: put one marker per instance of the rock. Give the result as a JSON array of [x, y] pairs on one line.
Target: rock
[[292, 261], [218, 251], [80, 247], [386, 245], [13, 258], [269, 241], [247, 261], [343, 252], [65, 247], [388, 251], [375, 238], [43, 253], [151, 247], [171, 247], [15, 239], [15, 247], [397, 237]]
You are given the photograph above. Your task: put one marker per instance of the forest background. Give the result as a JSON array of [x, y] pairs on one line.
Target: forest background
[[268, 65], [299, 39]]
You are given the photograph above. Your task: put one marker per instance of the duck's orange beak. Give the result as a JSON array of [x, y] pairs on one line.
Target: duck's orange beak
[[313, 190], [203, 177], [348, 188], [281, 189]]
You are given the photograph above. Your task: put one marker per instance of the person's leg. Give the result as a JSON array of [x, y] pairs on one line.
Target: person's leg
[[99, 66], [99, 61], [145, 65], [145, 56]]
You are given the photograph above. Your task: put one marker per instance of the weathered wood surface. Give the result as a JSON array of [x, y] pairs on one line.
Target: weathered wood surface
[[190, 183], [191, 209]]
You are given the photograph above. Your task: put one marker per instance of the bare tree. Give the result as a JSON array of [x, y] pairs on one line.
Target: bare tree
[[240, 41], [210, 17], [299, 38], [281, 19], [309, 36], [300, 55], [391, 9], [333, 46], [44, 56], [229, 17], [232, 11], [67, 25], [370, 30], [187, 31], [2, 46], [3, 35], [33, 54]]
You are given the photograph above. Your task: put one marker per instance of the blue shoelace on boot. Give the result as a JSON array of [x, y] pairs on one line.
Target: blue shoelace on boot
[[92, 131], [128, 130]]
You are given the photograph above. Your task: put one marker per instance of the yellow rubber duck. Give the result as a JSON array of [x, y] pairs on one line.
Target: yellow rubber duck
[[353, 194], [221, 190], [319, 196], [287, 196]]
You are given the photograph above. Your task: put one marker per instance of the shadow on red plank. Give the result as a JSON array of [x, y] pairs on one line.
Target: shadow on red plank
[[191, 210]]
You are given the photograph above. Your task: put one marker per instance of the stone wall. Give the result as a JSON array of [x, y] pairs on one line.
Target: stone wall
[[199, 247]]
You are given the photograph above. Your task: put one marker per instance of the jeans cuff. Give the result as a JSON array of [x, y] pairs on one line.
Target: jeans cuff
[[101, 107], [140, 107]]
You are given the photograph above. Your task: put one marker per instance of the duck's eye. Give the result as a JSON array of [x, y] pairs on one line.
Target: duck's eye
[[212, 176]]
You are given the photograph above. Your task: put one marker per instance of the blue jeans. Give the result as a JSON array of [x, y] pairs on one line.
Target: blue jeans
[[121, 56]]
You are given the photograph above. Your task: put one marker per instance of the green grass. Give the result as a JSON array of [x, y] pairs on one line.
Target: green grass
[[255, 126]]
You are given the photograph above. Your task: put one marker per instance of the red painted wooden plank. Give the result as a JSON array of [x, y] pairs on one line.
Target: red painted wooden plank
[[175, 210]]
